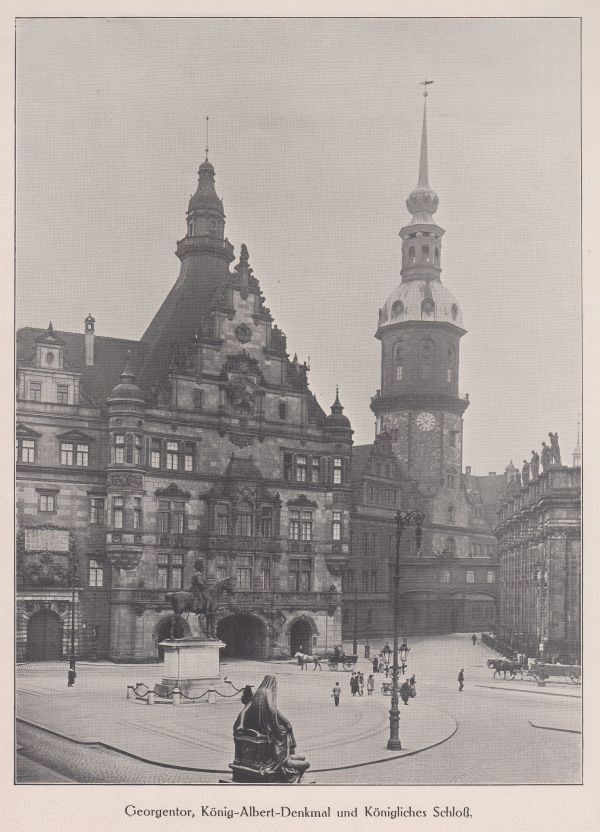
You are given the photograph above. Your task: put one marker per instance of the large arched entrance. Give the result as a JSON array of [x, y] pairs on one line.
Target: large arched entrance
[[164, 633], [244, 635], [44, 636], [301, 637]]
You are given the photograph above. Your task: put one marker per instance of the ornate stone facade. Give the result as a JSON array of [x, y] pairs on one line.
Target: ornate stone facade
[[539, 539]]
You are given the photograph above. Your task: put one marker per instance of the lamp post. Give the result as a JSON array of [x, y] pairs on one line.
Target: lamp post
[[354, 637], [71, 674], [403, 521]]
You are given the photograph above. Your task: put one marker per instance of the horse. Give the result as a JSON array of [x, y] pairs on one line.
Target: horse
[[185, 601], [505, 666], [304, 659]]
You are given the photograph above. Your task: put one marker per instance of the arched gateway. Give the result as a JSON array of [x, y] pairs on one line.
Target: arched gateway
[[244, 635], [44, 636], [300, 637]]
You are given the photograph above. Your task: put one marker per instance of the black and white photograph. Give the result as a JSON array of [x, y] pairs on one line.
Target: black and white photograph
[[299, 427]]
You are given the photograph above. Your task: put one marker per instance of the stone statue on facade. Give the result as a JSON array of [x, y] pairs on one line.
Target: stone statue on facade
[[201, 600], [554, 446], [518, 478], [546, 457], [535, 465], [525, 472]]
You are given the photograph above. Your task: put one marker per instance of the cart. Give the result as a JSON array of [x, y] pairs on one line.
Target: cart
[[339, 660]]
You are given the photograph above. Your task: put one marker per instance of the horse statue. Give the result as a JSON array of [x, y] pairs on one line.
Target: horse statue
[[201, 600]]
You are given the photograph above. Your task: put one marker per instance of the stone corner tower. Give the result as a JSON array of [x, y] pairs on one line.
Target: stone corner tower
[[420, 327]]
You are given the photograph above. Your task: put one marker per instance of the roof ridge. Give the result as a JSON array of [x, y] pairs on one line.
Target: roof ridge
[[80, 334]]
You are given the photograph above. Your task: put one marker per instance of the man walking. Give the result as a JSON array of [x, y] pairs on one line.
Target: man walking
[[317, 661], [336, 694], [474, 639], [461, 679]]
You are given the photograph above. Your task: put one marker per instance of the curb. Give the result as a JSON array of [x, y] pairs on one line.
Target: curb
[[539, 692], [551, 728]]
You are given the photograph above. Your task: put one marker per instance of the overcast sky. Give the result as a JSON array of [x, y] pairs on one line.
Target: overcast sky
[[314, 134]]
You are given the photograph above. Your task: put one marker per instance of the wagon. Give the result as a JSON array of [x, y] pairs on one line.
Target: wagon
[[339, 661], [542, 672]]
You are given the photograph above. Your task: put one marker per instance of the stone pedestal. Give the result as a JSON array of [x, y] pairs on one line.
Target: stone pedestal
[[191, 664]]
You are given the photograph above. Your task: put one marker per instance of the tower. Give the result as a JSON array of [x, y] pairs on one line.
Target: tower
[[577, 451], [420, 327]]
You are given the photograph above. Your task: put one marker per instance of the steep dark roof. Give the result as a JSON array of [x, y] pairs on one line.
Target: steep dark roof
[[109, 359]]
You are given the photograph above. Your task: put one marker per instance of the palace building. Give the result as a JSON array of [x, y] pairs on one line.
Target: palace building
[[203, 438], [416, 462]]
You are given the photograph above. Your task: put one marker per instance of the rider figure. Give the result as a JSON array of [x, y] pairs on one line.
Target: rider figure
[[198, 586]]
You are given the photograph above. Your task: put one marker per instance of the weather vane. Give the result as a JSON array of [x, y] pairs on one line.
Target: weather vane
[[424, 84]]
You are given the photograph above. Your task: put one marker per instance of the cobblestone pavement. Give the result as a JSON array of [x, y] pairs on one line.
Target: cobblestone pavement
[[495, 741]]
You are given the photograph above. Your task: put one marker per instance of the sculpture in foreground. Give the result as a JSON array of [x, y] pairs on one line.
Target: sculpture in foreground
[[264, 741]]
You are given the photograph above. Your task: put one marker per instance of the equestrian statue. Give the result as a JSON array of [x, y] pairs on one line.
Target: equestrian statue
[[201, 600]]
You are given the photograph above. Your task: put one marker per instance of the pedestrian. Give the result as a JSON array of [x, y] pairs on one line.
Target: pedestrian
[[461, 679], [370, 684], [354, 684], [361, 683], [247, 695], [405, 691], [376, 665], [71, 675], [412, 686], [336, 694], [317, 661], [474, 639], [300, 657]]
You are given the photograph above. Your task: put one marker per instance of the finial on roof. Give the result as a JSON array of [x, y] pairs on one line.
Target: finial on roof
[[206, 157], [423, 171], [423, 201], [50, 327], [127, 372]]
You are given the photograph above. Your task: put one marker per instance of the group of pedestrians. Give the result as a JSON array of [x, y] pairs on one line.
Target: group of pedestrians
[[357, 683]]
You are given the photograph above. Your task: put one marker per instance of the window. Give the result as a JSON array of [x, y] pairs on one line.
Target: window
[[452, 438], [451, 480], [62, 394], [450, 514], [337, 471], [294, 525], [397, 308], [119, 448], [172, 456], [265, 574], [137, 512], [336, 528], [445, 576], [82, 455], [25, 449], [301, 468], [171, 516], [349, 580], [96, 511], [300, 575], [265, 527], [222, 519], [117, 512], [137, 450], [471, 550], [221, 568], [35, 391], [470, 577], [198, 399], [169, 571], [288, 467], [282, 411], [307, 525], [451, 546], [95, 574], [155, 453], [398, 373], [315, 465], [244, 572], [66, 453], [244, 520], [188, 457], [426, 253], [366, 543], [47, 502], [373, 582], [411, 254], [491, 577], [365, 580], [178, 517], [449, 375]]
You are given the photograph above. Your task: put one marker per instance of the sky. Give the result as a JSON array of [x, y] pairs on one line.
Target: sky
[[315, 136]]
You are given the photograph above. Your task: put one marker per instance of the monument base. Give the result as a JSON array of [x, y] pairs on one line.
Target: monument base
[[190, 664]]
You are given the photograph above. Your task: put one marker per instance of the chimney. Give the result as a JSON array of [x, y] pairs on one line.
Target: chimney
[[89, 340], [468, 469]]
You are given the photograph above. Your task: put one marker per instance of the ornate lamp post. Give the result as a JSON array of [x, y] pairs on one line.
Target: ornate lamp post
[[71, 674], [403, 521], [355, 637]]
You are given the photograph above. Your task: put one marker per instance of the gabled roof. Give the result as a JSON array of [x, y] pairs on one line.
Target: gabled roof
[[109, 358]]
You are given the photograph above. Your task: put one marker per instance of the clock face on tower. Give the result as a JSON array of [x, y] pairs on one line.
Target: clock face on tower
[[426, 421]]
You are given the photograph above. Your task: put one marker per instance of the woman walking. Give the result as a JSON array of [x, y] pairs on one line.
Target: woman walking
[[461, 679], [370, 685], [361, 683]]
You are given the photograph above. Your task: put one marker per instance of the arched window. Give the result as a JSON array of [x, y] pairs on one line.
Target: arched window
[[454, 311], [397, 308], [450, 514], [411, 254], [425, 251], [450, 545], [190, 229], [436, 255], [244, 519], [427, 308]]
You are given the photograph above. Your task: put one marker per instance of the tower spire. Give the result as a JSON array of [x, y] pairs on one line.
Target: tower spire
[[206, 156], [423, 169], [423, 201]]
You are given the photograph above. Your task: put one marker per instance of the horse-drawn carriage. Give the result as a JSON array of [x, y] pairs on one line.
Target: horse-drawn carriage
[[338, 660], [502, 667], [541, 672]]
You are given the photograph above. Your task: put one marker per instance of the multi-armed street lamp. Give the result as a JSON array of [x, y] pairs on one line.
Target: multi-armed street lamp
[[403, 521]]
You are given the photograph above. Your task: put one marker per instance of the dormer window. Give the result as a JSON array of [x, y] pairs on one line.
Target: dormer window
[[427, 308]]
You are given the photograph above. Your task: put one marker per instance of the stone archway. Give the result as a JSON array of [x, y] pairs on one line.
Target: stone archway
[[44, 636], [244, 635], [301, 637], [163, 632]]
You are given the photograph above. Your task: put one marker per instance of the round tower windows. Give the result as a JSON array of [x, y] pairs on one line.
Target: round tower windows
[[427, 308], [398, 309], [454, 311]]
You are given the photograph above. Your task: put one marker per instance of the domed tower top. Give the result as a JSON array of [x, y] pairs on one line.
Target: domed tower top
[[127, 389]]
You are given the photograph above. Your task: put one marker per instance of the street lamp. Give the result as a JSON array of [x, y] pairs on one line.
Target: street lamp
[[71, 674], [403, 521], [354, 637]]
